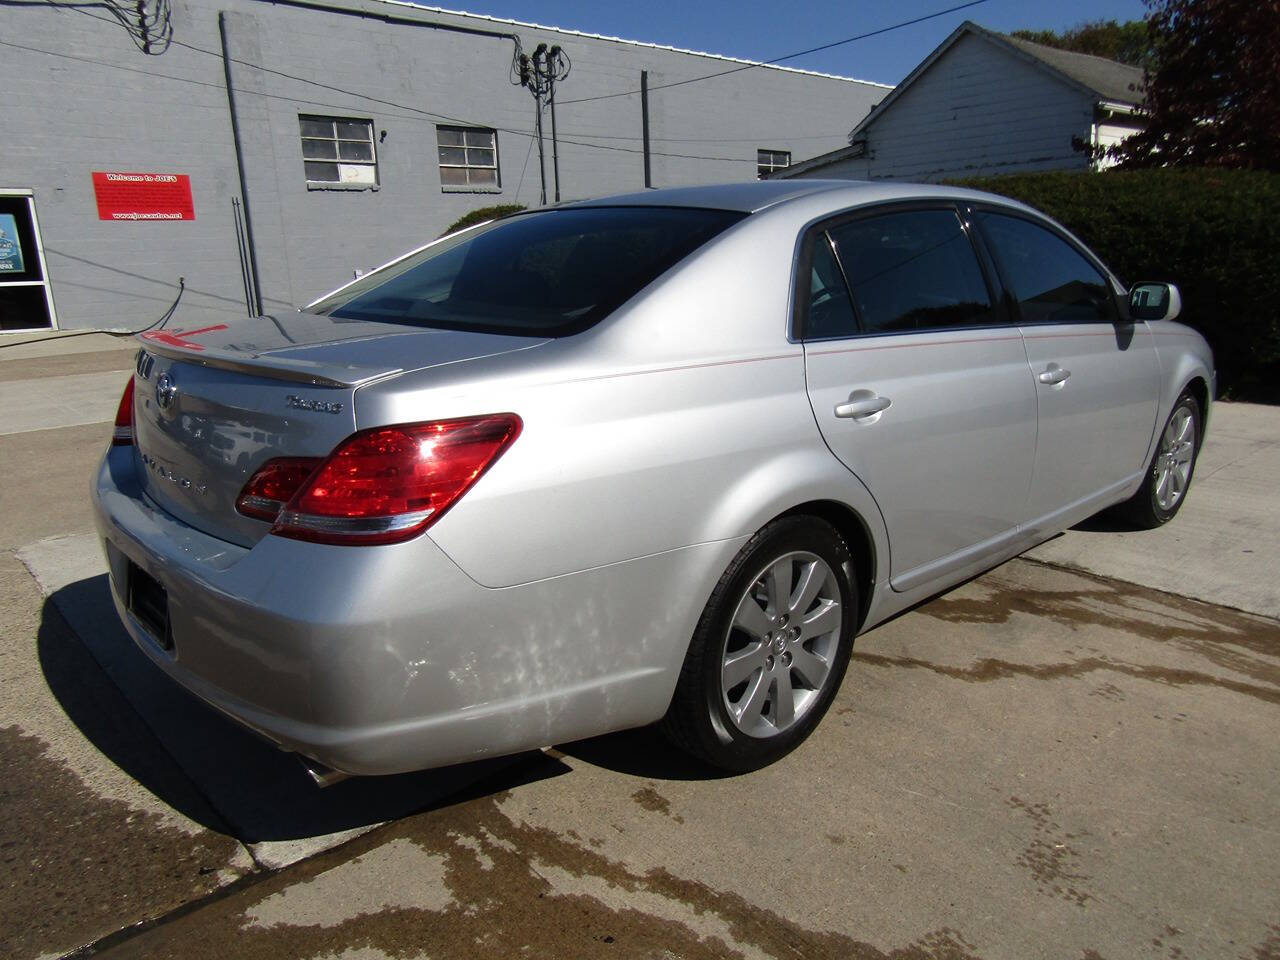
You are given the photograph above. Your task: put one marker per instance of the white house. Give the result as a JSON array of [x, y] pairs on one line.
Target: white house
[[984, 103]]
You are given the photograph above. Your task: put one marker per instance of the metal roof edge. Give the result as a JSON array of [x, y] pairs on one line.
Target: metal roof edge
[[853, 150], [405, 5]]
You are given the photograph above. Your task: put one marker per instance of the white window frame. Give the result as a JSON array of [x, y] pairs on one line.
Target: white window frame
[[29, 196], [765, 167], [469, 187], [357, 171]]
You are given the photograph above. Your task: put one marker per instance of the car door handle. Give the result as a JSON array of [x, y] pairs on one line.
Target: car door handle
[[863, 407], [1054, 375]]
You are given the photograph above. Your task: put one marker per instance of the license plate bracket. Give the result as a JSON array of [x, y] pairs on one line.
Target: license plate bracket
[[149, 603]]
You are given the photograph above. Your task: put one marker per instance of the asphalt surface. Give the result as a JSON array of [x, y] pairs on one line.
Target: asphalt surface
[[1057, 759]]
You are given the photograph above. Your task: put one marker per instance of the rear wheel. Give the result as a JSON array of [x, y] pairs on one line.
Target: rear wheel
[[770, 649], [1169, 474]]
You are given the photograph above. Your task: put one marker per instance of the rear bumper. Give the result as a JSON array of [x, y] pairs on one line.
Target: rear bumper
[[377, 660]]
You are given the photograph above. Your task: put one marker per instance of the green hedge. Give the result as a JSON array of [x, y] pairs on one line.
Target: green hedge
[[481, 215], [1215, 233]]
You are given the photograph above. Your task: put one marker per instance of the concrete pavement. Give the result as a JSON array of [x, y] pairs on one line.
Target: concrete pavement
[[1039, 764], [87, 845], [1043, 762], [1224, 546]]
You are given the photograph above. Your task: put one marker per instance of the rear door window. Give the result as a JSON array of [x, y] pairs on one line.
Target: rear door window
[[1051, 280], [913, 270], [830, 309], [552, 273]]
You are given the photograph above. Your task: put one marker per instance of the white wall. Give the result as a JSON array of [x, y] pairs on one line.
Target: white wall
[[978, 110], [1106, 135], [80, 97]]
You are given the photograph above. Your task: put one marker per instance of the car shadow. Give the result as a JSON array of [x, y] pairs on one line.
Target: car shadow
[[207, 767], [643, 752], [1108, 521]]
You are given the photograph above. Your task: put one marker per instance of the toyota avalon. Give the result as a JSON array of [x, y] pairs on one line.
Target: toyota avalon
[[656, 457]]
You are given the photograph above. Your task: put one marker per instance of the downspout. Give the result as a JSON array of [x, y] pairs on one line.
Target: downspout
[[244, 187], [644, 125]]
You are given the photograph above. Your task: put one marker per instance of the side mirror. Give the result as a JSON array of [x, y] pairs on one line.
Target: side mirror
[[1154, 301]]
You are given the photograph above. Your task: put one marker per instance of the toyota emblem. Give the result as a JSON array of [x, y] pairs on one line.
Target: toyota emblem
[[166, 391]]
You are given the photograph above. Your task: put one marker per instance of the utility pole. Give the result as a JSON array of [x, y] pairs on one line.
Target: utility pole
[[539, 74], [542, 165]]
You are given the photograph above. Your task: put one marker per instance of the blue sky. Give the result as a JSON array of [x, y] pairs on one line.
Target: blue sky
[[760, 31]]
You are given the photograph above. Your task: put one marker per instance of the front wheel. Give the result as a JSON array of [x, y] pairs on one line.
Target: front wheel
[[770, 649], [1169, 474]]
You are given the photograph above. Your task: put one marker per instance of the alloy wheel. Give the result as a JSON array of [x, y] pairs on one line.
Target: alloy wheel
[[781, 644], [1173, 462]]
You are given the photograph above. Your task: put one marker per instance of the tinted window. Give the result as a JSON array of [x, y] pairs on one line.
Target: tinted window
[[914, 270], [1052, 281], [545, 274], [830, 312]]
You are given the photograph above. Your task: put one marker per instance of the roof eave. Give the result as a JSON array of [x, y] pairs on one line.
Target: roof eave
[[422, 14], [969, 27]]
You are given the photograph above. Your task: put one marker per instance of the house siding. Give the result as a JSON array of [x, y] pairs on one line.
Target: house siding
[[978, 110]]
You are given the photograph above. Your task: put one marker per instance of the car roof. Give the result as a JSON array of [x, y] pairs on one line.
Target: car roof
[[754, 196]]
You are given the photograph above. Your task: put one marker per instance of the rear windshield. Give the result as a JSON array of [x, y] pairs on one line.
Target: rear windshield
[[552, 273]]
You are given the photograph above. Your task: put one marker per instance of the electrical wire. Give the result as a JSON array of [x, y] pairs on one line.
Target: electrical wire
[[416, 111], [789, 56], [161, 322], [152, 33], [418, 115], [525, 133], [520, 183], [149, 23], [508, 130], [164, 317]]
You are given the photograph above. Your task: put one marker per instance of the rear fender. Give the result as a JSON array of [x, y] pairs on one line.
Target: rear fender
[[779, 485]]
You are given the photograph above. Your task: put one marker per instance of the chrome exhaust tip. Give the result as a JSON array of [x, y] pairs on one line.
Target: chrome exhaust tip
[[321, 775]]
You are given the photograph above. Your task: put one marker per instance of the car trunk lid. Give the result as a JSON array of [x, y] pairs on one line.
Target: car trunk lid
[[212, 404]]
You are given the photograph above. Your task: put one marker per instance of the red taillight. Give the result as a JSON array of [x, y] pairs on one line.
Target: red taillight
[[123, 433], [382, 485], [274, 485]]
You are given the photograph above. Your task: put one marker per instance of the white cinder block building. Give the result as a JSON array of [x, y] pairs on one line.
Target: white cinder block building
[[264, 150]]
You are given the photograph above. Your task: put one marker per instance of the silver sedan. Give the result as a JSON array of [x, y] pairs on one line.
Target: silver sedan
[[655, 457]]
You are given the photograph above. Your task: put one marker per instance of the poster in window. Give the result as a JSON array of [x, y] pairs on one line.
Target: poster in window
[[10, 247]]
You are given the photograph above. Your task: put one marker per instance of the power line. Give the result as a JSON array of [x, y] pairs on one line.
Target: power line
[[418, 112], [149, 29], [789, 56], [778, 137]]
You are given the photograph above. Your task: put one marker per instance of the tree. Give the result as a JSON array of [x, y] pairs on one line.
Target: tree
[[1126, 42], [1213, 97], [473, 217]]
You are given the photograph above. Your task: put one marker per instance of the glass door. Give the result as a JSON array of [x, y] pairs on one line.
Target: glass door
[[25, 300]]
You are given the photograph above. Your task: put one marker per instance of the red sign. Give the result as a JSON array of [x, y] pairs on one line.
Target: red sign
[[143, 196]]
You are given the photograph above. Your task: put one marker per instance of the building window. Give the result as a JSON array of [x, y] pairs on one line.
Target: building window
[[468, 158], [338, 151], [768, 161]]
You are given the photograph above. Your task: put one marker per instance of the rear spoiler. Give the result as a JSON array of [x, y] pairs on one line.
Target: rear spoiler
[[177, 346]]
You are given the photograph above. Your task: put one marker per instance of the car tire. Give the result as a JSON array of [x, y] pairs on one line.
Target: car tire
[[1168, 476], [762, 669]]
